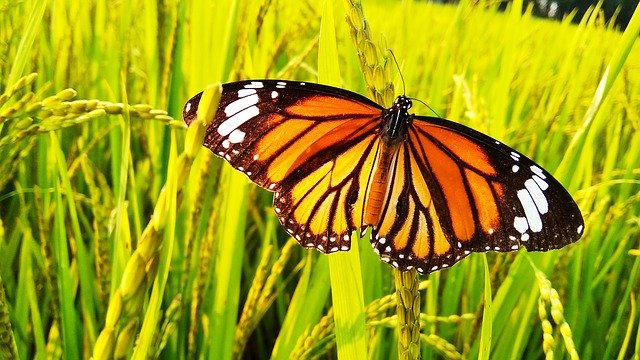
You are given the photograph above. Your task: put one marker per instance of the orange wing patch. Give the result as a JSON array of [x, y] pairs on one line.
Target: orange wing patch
[[441, 244], [486, 205], [451, 182], [268, 146], [321, 209], [328, 106], [464, 149], [318, 182], [283, 163]]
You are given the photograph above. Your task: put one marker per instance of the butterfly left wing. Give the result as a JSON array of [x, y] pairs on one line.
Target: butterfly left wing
[[310, 144], [455, 191]]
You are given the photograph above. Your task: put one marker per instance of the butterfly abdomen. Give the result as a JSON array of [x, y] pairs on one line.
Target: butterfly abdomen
[[379, 183]]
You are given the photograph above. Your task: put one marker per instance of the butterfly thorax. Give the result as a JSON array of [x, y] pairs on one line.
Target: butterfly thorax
[[396, 120]]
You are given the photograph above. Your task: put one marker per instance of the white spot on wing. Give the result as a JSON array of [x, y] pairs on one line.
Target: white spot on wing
[[580, 228], [241, 104], [520, 224], [537, 195], [236, 136], [238, 119], [187, 107], [541, 183], [530, 210], [226, 143], [274, 94], [536, 170], [246, 92], [254, 85], [515, 168]]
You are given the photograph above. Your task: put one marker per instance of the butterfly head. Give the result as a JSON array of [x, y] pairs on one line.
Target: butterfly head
[[396, 121]]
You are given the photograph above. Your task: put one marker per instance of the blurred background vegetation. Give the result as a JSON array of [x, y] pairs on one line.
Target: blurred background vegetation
[[617, 12], [117, 240]]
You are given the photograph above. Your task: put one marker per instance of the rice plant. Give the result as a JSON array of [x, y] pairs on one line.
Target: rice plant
[[120, 236]]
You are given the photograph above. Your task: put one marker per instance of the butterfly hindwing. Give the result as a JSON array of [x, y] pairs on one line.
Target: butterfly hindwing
[[469, 193]]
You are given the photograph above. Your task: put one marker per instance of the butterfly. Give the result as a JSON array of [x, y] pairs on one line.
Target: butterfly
[[432, 190]]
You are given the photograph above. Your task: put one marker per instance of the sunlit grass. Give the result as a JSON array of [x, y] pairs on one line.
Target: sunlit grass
[[118, 236]]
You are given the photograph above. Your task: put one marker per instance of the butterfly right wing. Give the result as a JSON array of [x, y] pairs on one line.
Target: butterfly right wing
[[455, 191], [312, 145]]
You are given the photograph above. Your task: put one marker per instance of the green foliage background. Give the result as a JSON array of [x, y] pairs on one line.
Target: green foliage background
[[119, 238]]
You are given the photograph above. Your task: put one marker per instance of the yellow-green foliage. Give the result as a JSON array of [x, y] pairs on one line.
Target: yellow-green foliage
[[120, 238]]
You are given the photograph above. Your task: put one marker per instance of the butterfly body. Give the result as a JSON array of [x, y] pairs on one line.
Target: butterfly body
[[432, 190]]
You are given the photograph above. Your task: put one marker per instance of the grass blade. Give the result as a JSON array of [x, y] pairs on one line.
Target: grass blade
[[487, 315], [345, 270]]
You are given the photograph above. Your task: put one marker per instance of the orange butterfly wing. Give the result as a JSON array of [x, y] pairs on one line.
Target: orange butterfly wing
[[457, 191], [312, 145]]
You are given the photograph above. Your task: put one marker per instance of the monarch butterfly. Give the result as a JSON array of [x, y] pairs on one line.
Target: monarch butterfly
[[432, 190]]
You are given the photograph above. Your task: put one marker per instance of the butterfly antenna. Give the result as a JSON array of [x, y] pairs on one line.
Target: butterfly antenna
[[428, 107], [404, 88]]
